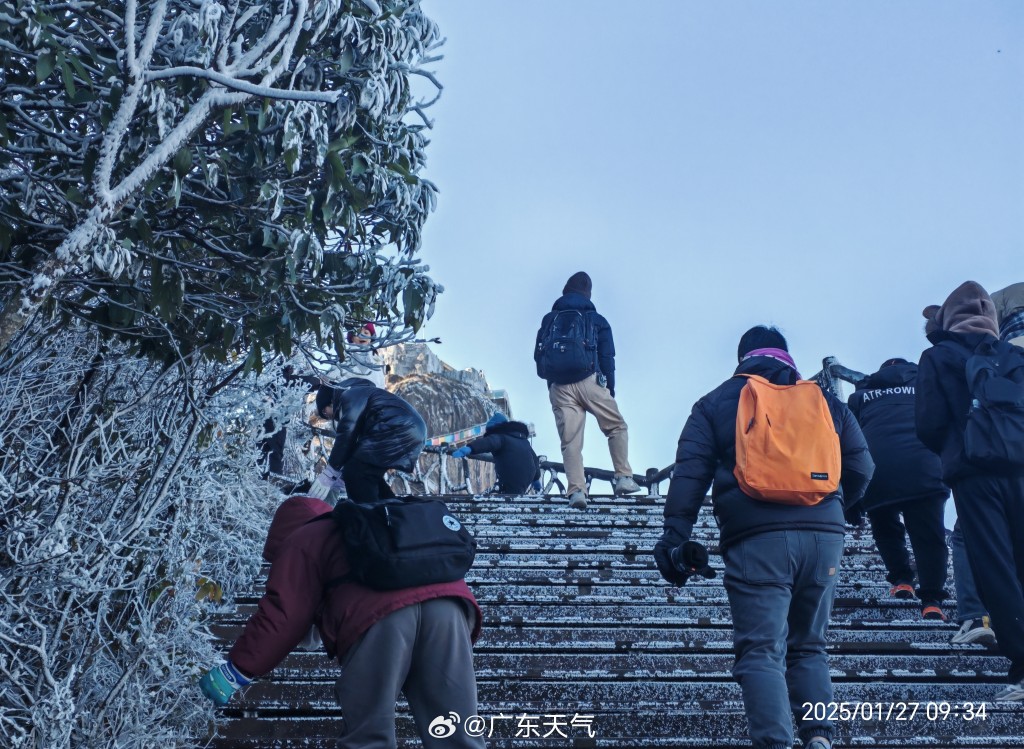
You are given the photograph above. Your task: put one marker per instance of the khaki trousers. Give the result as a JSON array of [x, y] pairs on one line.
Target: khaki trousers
[[571, 404]]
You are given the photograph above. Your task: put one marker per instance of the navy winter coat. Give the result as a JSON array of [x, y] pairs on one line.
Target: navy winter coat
[[515, 462], [943, 401], [904, 468], [605, 344], [376, 427], [707, 454]]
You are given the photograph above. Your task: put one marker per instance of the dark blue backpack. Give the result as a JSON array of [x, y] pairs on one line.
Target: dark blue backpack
[[994, 435], [567, 348]]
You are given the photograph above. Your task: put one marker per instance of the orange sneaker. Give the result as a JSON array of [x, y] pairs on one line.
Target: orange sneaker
[[903, 591], [932, 611]]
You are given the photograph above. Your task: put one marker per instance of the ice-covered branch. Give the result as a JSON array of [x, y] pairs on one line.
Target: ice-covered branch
[[242, 86]]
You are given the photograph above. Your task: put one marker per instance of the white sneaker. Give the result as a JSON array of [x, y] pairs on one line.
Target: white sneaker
[[1010, 693], [975, 630], [578, 500], [625, 485]]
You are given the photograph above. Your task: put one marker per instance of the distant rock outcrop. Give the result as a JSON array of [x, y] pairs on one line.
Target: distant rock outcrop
[[448, 399]]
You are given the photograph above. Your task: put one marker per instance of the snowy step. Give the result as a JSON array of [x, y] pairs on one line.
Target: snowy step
[[577, 621]]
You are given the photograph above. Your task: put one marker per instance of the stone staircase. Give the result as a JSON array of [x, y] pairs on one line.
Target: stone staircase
[[585, 646]]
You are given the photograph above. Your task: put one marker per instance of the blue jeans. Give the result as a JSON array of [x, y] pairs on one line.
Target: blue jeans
[[781, 586], [968, 602]]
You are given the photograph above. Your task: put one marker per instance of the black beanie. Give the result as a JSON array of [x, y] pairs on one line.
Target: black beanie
[[893, 362], [578, 283], [324, 398], [760, 336]]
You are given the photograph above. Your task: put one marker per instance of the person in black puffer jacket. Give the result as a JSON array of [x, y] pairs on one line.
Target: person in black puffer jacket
[[375, 431], [781, 560], [907, 482], [989, 502], [515, 462]]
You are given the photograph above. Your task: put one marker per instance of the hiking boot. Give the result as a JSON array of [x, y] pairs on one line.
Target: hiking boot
[[932, 610], [975, 630], [903, 591], [578, 500], [1010, 693], [625, 485]]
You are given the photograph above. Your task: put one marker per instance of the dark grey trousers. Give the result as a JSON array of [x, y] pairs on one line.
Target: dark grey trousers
[[424, 652]]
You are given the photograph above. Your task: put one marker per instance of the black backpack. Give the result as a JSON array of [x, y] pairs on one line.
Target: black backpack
[[994, 435], [567, 348], [403, 542]]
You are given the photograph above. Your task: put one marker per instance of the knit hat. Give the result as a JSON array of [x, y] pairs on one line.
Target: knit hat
[[368, 326], [497, 418], [324, 398], [578, 283]]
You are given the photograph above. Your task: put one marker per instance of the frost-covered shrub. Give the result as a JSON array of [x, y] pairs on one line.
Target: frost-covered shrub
[[130, 502]]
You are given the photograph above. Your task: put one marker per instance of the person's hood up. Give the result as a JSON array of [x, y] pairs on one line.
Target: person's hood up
[[575, 301], [969, 309], [293, 513], [511, 428]]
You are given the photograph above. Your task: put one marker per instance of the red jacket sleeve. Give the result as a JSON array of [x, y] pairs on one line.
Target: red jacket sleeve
[[286, 611]]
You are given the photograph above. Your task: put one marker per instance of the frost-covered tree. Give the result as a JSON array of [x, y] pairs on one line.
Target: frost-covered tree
[[128, 503], [188, 189], [214, 176]]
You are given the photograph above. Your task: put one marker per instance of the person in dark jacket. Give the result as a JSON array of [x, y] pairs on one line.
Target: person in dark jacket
[[414, 640], [375, 431], [515, 462], [907, 482], [989, 502], [781, 561], [592, 393]]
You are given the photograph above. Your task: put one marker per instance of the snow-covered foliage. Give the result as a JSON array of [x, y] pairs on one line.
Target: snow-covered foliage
[[130, 502], [211, 176], [189, 190]]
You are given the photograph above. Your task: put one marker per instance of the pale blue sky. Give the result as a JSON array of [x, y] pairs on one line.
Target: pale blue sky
[[830, 168]]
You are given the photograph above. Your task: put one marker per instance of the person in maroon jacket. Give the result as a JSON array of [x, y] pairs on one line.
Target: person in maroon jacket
[[417, 641]]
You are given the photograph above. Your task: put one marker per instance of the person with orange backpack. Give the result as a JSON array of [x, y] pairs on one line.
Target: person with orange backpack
[[782, 458]]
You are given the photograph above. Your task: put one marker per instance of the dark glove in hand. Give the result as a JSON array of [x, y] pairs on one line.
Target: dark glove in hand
[[663, 558], [692, 558]]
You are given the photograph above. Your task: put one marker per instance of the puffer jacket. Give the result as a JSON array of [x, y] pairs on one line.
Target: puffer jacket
[[376, 427], [307, 553], [605, 342], [515, 462], [905, 470], [943, 401], [706, 456]]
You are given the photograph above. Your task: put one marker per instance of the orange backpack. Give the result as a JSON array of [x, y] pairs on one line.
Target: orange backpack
[[787, 449]]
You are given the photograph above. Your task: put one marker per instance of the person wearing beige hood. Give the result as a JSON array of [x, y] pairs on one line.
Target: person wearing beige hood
[[989, 501]]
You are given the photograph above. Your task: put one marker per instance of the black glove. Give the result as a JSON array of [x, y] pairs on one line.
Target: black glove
[[663, 558], [679, 564], [692, 557]]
